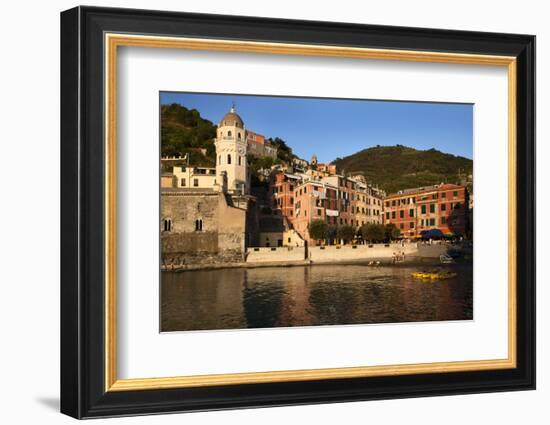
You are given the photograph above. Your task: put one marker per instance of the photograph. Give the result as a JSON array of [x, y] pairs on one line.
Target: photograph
[[279, 211], [275, 209]]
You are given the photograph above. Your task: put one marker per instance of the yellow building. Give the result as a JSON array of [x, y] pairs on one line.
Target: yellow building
[[194, 177]]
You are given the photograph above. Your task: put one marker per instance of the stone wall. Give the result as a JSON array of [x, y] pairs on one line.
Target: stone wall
[[204, 228], [177, 260], [279, 254], [231, 226], [184, 208], [320, 254], [189, 243]]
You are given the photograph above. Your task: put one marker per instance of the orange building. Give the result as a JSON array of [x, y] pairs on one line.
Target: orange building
[[313, 201], [442, 207], [346, 198], [282, 193], [259, 146], [302, 200], [328, 169]]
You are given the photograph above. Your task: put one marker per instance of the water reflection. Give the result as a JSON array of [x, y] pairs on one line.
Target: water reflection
[[304, 296]]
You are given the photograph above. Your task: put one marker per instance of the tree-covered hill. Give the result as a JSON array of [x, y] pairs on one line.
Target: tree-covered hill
[[399, 167], [184, 131]]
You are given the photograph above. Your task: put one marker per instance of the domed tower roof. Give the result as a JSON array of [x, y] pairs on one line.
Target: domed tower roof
[[232, 119]]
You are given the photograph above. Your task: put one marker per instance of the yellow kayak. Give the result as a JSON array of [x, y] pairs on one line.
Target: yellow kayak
[[433, 275]]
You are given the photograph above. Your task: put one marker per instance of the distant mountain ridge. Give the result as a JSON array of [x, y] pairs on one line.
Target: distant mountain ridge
[[185, 132], [394, 168]]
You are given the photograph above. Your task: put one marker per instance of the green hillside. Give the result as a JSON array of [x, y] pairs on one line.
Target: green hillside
[[184, 131], [399, 167]]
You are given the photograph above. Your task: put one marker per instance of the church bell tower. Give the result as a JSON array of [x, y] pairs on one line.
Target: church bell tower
[[231, 149]]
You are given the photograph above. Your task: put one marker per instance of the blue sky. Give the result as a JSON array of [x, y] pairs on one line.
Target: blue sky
[[332, 128]]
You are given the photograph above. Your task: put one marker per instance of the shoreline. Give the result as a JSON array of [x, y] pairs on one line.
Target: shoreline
[[383, 262]]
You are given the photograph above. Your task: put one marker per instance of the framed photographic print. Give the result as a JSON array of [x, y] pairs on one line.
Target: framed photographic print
[[261, 212]]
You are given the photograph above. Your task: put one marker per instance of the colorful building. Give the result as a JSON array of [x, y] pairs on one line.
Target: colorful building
[[442, 207], [282, 193], [367, 202], [259, 146], [334, 199], [313, 200], [194, 177]]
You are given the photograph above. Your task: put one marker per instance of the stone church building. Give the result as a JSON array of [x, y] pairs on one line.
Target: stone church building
[[216, 221]]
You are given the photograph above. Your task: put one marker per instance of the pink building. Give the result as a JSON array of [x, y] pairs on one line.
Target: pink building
[[313, 201]]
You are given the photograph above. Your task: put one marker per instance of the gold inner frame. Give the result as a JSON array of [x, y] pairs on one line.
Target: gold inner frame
[[113, 41]]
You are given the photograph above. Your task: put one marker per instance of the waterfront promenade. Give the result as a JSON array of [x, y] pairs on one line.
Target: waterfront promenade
[[373, 254]]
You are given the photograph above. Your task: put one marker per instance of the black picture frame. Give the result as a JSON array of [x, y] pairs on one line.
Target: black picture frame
[[83, 392]]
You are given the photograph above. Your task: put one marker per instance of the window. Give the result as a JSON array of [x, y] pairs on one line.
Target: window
[[444, 194], [411, 225], [198, 225], [183, 182], [455, 193], [432, 221], [393, 203], [443, 220], [432, 208], [423, 209], [305, 189], [220, 160], [387, 203], [239, 160], [291, 201], [393, 214], [443, 207], [401, 214], [319, 212], [387, 216], [239, 135], [401, 226], [229, 133], [196, 182], [167, 223], [411, 213], [229, 158]]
